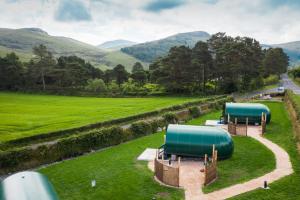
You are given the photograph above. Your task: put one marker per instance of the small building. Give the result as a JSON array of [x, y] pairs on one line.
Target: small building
[[242, 111], [27, 186], [196, 141]]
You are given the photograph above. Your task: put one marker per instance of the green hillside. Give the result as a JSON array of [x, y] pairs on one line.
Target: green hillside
[[23, 40], [149, 51], [115, 57], [292, 49], [116, 44]]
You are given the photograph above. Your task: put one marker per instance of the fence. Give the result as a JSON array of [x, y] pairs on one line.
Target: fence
[[263, 123], [237, 129], [210, 168], [167, 173]]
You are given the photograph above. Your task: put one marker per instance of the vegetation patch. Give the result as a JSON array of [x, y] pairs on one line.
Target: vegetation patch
[[24, 115], [118, 173], [280, 131]]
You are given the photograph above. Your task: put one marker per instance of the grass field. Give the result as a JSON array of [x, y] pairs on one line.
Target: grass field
[[25, 115], [280, 131], [119, 174]]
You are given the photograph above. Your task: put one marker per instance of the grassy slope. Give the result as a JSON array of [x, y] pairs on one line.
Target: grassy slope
[[280, 131], [117, 57], [24, 115], [22, 41], [120, 176]]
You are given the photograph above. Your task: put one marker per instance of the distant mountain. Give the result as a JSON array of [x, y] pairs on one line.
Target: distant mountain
[[149, 51], [23, 40], [292, 49], [116, 44]]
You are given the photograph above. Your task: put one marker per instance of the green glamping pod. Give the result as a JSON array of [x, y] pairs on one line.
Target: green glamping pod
[[241, 111], [27, 186], [196, 141]]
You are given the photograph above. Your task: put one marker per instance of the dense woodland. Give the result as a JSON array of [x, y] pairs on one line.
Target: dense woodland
[[223, 64]]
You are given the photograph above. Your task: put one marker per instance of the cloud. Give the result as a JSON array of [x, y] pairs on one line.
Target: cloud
[[72, 10], [269, 21], [159, 5]]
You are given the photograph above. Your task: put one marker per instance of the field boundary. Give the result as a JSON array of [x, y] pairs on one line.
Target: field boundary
[[67, 132], [27, 157], [294, 114]]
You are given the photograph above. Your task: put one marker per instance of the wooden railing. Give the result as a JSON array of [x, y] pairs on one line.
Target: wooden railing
[[210, 168], [167, 173]]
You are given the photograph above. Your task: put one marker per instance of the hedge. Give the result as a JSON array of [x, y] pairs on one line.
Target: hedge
[[289, 95], [67, 132], [33, 156]]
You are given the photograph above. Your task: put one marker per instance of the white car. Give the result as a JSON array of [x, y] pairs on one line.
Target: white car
[[280, 89]]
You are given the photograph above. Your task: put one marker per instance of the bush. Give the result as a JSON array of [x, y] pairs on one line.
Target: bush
[[141, 128], [170, 118], [27, 157], [96, 85], [270, 80], [194, 111]]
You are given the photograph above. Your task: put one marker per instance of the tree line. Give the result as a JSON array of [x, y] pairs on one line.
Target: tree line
[[223, 64]]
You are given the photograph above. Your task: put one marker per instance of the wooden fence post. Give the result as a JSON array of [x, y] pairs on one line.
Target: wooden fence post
[[247, 126]]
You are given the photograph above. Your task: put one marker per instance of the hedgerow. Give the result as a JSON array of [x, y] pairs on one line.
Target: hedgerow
[[83, 142]]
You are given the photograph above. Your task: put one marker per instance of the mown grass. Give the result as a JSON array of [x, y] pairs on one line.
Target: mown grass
[[280, 131], [117, 172], [120, 176], [25, 115]]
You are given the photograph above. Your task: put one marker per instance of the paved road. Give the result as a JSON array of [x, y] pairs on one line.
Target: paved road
[[287, 83]]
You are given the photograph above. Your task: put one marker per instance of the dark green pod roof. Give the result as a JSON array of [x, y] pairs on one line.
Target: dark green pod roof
[[197, 141], [27, 186], [241, 111]]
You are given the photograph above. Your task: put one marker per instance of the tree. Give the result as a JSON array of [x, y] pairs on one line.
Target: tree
[[44, 61], [138, 74], [201, 64], [130, 87], [275, 61], [120, 74], [74, 71], [108, 76], [170, 71], [11, 72], [96, 85]]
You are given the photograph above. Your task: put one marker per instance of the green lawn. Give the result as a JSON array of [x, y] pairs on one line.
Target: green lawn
[[119, 175], [280, 131], [248, 160], [25, 115], [117, 172]]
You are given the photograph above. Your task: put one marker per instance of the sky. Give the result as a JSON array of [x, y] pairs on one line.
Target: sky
[[97, 21]]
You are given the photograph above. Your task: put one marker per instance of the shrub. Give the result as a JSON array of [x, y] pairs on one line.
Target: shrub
[[272, 79], [141, 128], [170, 118], [96, 85], [28, 157], [194, 111]]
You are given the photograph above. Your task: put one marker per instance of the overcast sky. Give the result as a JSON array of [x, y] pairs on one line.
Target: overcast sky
[[96, 21]]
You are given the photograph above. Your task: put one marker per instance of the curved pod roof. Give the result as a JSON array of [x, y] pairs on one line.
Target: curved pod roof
[[196, 141], [243, 110], [27, 186]]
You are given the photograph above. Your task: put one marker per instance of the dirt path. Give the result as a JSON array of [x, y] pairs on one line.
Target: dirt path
[[283, 168], [191, 179]]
